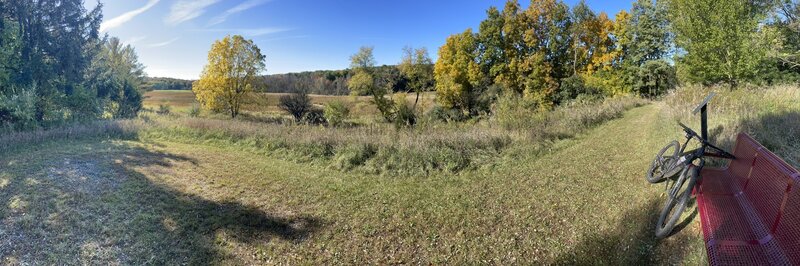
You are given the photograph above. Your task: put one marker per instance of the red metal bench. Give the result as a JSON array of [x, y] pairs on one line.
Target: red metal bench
[[750, 210]]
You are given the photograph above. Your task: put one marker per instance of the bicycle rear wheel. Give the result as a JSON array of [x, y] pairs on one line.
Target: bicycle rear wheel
[[676, 203]]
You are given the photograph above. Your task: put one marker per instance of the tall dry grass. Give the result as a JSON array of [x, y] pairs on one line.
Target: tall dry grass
[[564, 121], [771, 115], [101, 129], [375, 148]]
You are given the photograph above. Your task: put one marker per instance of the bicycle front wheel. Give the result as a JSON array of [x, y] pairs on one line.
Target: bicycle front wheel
[[665, 164], [676, 203]]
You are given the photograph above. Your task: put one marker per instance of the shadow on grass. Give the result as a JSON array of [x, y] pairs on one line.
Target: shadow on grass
[[96, 207], [632, 241]]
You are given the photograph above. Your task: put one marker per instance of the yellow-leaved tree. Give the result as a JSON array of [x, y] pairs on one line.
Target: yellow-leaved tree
[[234, 63], [457, 73]]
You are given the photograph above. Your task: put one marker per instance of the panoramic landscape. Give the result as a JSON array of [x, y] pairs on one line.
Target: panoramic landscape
[[255, 132]]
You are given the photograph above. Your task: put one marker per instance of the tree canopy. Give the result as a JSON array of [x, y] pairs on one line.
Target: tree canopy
[[530, 53], [234, 64], [457, 73], [721, 40], [417, 68], [364, 82], [55, 67]]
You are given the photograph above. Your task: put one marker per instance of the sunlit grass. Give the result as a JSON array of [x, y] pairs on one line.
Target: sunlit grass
[[164, 202], [179, 190], [771, 115]]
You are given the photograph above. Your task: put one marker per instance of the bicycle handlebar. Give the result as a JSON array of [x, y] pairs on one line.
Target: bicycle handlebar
[[689, 131], [692, 133]]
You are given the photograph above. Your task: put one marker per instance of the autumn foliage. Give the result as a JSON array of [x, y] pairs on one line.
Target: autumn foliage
[[528, 53], [234, 64]]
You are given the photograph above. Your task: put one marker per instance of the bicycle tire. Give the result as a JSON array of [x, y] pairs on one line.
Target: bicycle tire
[[654, 177], [665, 224]]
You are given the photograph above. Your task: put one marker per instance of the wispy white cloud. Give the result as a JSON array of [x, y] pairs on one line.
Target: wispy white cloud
[[235, 10], [134, 40], [250, 32], [261, 31], [185, 10], [287, 38], [162, 44], [128, 16]]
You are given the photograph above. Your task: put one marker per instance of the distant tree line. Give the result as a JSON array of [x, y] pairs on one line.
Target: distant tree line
[[328, 82], [333, 82], [323, 82], [55, 67], [151, 84]]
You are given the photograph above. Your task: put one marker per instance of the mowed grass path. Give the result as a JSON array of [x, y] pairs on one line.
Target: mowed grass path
[[150, 201]]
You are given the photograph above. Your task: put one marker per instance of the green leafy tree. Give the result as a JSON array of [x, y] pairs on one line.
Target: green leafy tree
[[641, 36], [550, 30], [55, 42], [10, 52], [654, 78], [649, 37], [417, 67], [582, 19], [491, 38], [116, 77], [781, 34], [363, 82], [721, 40]]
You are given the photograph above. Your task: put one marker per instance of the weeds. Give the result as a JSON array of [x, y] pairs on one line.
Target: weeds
[[103, 129], [195, 111], [771, 115], [163, 109], [565, 121]]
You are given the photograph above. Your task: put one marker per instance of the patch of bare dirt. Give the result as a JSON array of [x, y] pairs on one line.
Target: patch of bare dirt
[[82, 176]]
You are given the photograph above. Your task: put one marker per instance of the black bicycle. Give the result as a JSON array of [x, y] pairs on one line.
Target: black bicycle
[[682, 168]]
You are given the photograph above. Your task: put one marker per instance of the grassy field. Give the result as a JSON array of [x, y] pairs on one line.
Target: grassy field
[[182, 101], [152, 201], [178, 190]]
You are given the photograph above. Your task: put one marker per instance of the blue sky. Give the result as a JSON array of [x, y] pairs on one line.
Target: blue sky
[[172, 37]]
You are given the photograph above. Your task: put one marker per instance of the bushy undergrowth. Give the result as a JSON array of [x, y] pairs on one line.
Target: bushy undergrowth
[[769, 114], [336, 113]]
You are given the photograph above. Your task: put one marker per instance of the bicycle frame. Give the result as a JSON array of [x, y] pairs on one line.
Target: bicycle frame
[[702, 151], [687, 158], [703, 137]]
